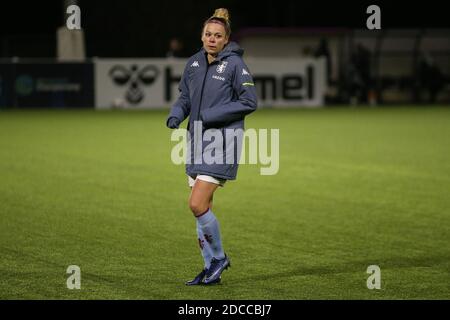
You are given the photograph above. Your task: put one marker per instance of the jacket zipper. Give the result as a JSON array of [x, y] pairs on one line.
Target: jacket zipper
[[203, 86], [201, 98]]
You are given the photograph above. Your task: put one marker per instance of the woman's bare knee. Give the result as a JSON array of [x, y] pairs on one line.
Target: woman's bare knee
[[199, 203], [201, 197], [198, 206]]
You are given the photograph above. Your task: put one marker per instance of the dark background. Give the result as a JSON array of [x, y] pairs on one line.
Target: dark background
[[142, 28]]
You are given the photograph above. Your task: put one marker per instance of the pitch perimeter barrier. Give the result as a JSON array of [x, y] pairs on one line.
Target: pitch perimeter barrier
[[153, 83], [46, 85], [6, 85], [148, 83]]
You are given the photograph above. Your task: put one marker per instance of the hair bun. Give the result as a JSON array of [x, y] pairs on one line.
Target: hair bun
[[222, 13]]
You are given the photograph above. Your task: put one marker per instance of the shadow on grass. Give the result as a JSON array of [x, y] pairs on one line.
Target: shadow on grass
[[352, 267], [120, 285]]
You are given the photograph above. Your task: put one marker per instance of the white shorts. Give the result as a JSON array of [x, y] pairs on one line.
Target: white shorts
[[206, 178]]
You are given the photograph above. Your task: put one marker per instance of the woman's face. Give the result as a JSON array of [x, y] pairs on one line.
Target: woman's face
[[214, 38]]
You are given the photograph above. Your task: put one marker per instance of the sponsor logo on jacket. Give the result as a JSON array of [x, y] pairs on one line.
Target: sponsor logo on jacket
[[218, 77]]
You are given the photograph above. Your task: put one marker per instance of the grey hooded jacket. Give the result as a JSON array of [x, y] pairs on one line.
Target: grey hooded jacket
[[220, 95]]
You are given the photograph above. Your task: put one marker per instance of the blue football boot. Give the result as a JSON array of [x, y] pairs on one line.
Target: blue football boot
[[215, 270], [198, 278]]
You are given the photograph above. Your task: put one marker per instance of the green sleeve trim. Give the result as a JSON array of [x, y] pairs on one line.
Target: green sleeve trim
[[248, 84]]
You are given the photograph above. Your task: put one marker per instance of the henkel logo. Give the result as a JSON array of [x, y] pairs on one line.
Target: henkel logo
[[135, 79], [287, 86]]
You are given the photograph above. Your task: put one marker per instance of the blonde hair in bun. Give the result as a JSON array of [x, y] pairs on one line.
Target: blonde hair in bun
[[222, 13], [221, 16]]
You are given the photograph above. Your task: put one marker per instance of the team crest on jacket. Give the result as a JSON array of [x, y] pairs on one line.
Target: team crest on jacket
[[221, 67]]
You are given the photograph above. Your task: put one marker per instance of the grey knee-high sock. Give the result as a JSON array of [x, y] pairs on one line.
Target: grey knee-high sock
[[210, 229], [204, 247]]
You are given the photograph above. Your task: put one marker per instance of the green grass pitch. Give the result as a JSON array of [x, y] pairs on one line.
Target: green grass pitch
[[356, 187]]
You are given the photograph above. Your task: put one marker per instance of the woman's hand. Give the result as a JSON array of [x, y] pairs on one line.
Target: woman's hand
[[173, 123]]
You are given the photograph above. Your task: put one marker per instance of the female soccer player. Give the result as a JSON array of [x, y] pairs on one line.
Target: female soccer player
[[218, 90]]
